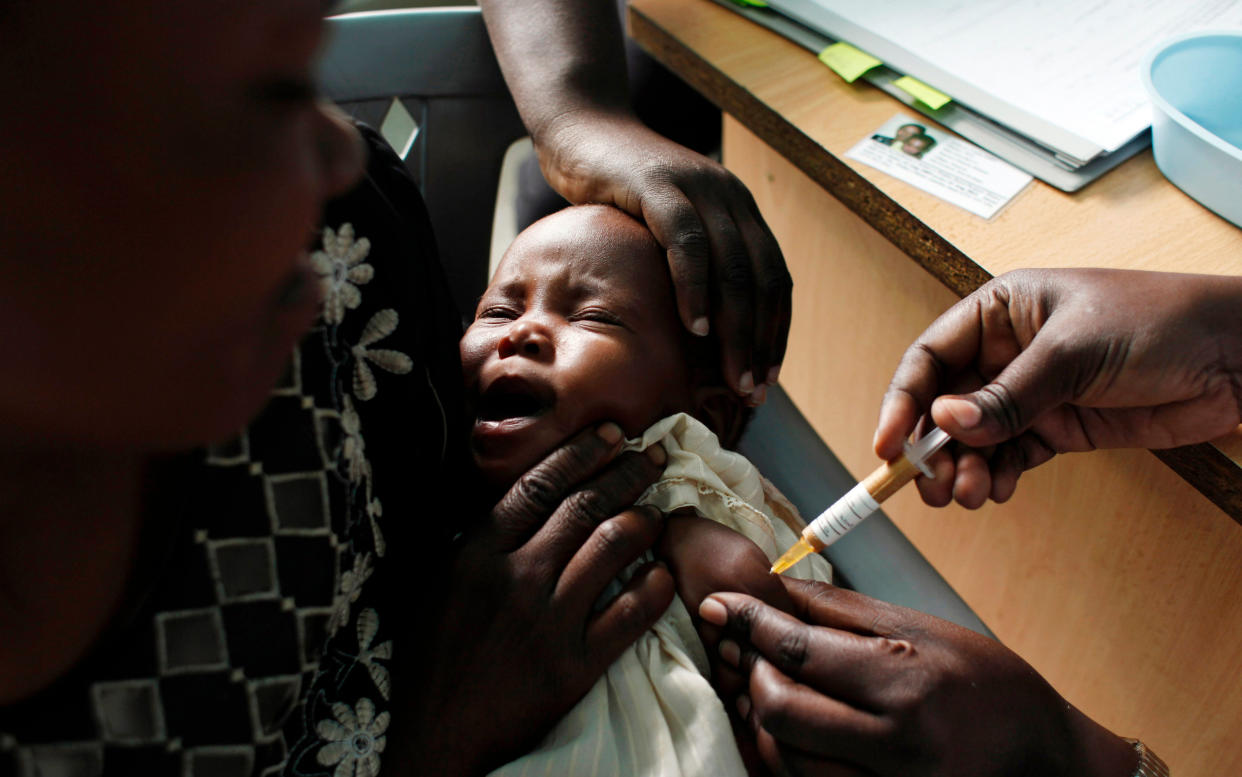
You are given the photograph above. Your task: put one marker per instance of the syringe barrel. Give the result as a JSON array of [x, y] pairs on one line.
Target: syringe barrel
[[848, 511]]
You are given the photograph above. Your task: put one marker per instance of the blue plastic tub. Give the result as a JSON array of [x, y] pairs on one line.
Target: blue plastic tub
[[1195, 83]]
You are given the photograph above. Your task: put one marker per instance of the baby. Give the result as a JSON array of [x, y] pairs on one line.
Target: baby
[[580, 326]]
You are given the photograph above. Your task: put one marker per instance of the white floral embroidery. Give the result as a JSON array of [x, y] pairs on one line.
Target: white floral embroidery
[[368, 627], [341, 271], [353, 448], [351, 588], [382, 324], [353, 742], [374, 511]]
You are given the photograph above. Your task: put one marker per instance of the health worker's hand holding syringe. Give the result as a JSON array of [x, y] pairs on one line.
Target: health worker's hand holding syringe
[[864, 499], [1032, 364], [1040, 362]]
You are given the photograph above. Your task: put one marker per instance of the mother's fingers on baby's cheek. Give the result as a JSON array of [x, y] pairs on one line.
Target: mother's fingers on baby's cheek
[[614, 544], [540, 491], [623, 620], [580, 513]]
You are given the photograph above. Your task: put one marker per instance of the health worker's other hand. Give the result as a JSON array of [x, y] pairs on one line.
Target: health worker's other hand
[[1040, 362], [728, 271], [520, 640], [850, 686]]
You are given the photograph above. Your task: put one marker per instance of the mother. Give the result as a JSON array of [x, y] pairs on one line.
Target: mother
[[164, 165]]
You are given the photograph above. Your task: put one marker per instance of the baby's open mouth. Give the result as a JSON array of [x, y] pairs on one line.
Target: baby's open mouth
[[513, 397]]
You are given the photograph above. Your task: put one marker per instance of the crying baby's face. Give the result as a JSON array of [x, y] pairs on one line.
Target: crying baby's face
[[578, 326]]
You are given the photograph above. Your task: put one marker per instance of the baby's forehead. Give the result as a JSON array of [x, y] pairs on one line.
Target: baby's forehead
[[595, 244]]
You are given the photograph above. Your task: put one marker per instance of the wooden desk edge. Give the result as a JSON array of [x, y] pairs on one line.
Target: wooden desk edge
[[1206, 467]]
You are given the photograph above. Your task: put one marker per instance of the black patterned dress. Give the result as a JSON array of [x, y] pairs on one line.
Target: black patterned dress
[[258, 633]]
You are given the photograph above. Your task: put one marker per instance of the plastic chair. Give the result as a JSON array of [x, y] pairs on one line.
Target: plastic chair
[[438, 62], [440, 65]]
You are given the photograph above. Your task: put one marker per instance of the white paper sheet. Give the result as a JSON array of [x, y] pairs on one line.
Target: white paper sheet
[[1072, 65], [951, 169]]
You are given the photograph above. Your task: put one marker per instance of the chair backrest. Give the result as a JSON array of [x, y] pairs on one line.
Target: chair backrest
[[439, 64]]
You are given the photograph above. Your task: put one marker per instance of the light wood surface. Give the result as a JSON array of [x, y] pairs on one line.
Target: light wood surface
[[1107, 571], [1131, 218]]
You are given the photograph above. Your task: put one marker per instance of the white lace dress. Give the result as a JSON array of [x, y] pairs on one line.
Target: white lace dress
[[654, 712]]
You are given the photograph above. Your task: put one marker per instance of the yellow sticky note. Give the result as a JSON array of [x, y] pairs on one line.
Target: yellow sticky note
[[847, 61], [920, 91]]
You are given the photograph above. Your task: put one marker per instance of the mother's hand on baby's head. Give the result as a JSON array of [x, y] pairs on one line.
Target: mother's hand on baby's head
[[728, 270]]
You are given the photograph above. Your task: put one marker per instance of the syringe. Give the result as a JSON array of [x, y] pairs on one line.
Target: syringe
[[864, 499]]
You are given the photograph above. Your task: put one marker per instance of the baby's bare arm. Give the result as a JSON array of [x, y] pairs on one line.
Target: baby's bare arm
[[705, 557]]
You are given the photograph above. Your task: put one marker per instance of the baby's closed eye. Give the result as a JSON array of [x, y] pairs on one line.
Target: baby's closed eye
[[598, 315], [497, 311]]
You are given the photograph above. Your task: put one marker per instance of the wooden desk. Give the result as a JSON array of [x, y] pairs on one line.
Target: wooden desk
[[1110, 572]]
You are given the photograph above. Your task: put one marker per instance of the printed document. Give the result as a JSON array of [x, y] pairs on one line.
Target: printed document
[[1063, 72]]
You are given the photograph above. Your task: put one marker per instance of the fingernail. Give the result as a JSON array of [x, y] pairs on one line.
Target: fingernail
[[774, 375], [966, 413], [730, 652], [713, 612], [760, 395], [746, 383], [743, 705], [700, 326], [609, 433], [657, 455]]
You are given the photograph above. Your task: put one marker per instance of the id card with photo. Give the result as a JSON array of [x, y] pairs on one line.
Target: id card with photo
[[942, 165]]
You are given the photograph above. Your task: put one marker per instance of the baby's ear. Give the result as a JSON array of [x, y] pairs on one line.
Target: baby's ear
[[723, 411]]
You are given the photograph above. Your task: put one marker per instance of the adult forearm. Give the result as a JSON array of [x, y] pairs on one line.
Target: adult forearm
[[560, 58], [564, 61]]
